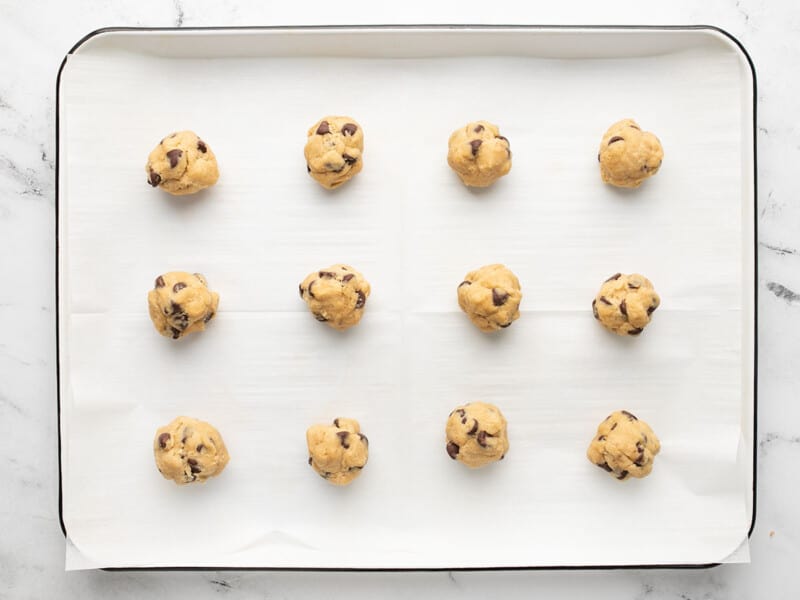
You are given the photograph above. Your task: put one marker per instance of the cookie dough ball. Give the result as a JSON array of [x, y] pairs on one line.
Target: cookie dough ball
[[629, 155], [624, 446], [476, 434], [189, 451], [337, 452], [334, 150], [336, 296], [479, 154], [181, 303], [625, 303], [182, 164], [490, 296]]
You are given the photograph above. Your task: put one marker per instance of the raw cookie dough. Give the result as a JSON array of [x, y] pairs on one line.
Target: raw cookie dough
[[337, 452], [334, 150], [625, 303], [490, 296], [629, 155], [189, 451], [182, 164], [479, 154], [624, 446], [476, 434], [336, 295], [181, 303]]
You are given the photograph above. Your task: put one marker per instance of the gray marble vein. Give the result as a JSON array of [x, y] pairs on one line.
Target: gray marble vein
[[34, 38], [782, 292]]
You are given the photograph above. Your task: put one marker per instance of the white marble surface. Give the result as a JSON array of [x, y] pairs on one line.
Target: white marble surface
[[34, 36]]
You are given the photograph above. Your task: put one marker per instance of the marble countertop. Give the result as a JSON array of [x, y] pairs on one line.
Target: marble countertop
[[34, 38]]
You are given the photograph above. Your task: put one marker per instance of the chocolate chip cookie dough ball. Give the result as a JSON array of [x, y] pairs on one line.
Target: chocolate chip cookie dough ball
[[476, 434], [181, 303], [334, 150], [479, 154], [629, 155], [625, 303], [189, 451], [182, 164], [337, 452], [336, 296], [490, 297], [624, 446]]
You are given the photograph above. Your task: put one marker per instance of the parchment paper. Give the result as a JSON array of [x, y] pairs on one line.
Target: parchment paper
[[265, 370]]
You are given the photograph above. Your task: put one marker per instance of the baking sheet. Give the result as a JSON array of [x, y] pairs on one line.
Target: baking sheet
[[265, 370]]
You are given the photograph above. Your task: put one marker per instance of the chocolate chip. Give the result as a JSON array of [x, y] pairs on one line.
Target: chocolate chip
[[502, 457], [475, 145], [309, 461], [452, 450], [598, 157], [505, 139], [154, 178], [300, 287], [605, 466], [178, 287], [336, 421], [347, 277], [323, 128], [616, 138], [504, 325], [327, 274], [635, 331], [160, 282], [614, 426], [176, 333], [172, 135], [349, 159], [651, 310], [644, 168], [364, 439], [623, 307], [463, 420], [594, 309], [343, 438], [195, 469], [631, 416], [208, 317], [639, 447], [639, 462], [605, 300], [349, 129], [308, 168], [474, 427], [191, 461], [201, 145], [499, 297], [175, 308], [174, 156], [632, 126], [320, 318], [602, 438], [163, 439], [634, 285], [482, 438], [464, 283], [623, 475], [200, 447], [362, 299], [461, 412], [613, 277], [478, 128], [311, 285]]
